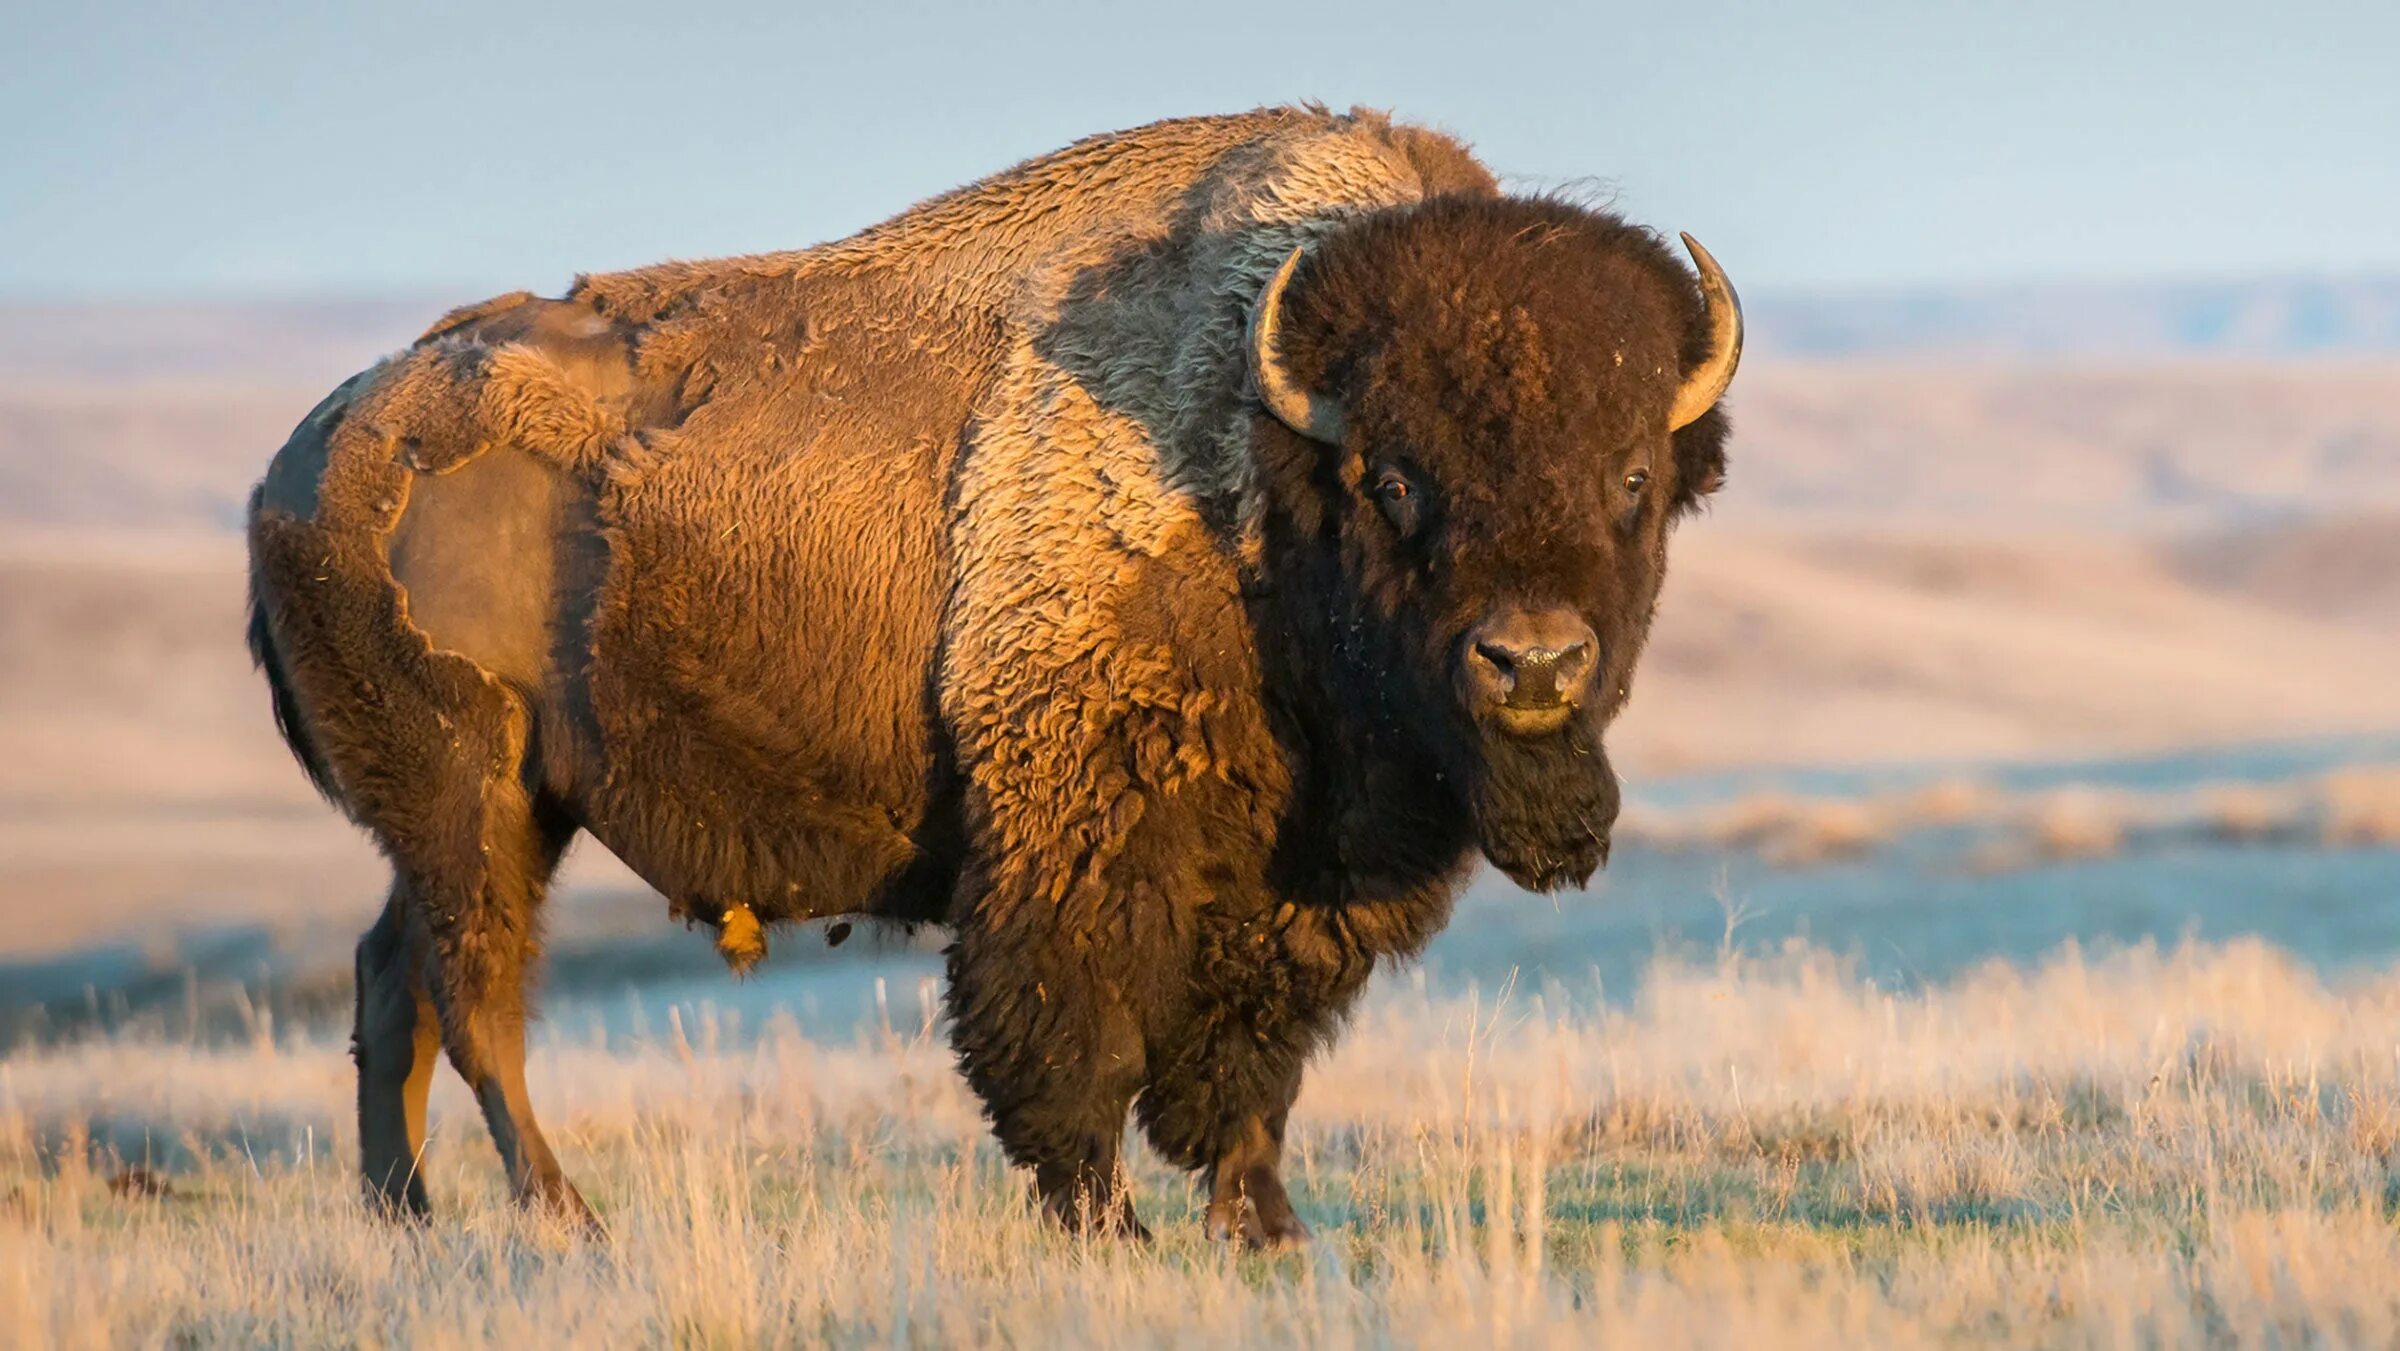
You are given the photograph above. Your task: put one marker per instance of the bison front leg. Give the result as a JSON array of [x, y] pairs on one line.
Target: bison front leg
[[1247, 1200], [1220, 1109], [1050, 1046], [1263, 994]]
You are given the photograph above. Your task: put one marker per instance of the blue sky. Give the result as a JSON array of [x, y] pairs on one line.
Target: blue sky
[[153, 149]]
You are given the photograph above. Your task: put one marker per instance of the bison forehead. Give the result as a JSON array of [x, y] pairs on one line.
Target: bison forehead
[[1514, 377], [1497, 314], [1534, 363]]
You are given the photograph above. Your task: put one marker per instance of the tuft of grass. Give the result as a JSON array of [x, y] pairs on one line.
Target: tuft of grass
[[2158, 1147]]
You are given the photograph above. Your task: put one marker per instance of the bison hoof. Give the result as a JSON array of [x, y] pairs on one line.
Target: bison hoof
[[1117, 1222], [1269, 1229], [406, 1205], [1087, 1216], [1121, 1225], [558, 1200]]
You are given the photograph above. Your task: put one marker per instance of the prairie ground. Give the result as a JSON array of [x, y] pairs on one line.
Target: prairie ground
[[2140, 1148]]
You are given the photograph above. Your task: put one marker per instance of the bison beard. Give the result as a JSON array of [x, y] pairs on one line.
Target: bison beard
[[1543, 806]]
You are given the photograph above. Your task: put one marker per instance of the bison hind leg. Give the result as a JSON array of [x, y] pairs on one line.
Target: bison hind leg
[[453, 963], [434, 757], [486, 942], [395, 1042]]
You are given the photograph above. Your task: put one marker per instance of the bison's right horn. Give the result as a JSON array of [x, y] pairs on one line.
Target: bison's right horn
[[1706, 384], [1312, 415]]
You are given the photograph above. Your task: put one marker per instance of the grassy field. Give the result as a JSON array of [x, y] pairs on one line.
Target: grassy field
[[2143, 1148]]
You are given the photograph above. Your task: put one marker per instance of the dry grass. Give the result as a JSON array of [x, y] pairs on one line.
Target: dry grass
[[2155, 1148]]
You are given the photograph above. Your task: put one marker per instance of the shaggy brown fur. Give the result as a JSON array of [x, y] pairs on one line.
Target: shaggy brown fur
[[952, 573]]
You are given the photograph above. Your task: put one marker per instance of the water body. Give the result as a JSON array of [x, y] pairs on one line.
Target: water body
[[1914, 911]]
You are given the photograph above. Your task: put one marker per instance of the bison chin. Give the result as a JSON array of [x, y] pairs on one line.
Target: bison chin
[[1543, 806]]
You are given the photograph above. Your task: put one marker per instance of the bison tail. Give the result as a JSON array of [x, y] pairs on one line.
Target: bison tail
[[286, 703]]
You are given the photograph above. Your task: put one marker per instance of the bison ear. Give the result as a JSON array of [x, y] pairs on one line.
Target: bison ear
[[1700, 458]]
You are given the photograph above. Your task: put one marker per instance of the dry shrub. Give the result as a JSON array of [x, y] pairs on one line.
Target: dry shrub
[[2247, 813], [2344, 807], [1826, 832], [1750, 822], [2361, 806], [1794, 832], [1947, 802], [2077, 823]]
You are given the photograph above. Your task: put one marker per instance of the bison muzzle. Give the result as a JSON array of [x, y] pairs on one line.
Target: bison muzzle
[[1166, 565]]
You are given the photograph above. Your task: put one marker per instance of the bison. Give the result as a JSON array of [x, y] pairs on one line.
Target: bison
[[1165, 565]]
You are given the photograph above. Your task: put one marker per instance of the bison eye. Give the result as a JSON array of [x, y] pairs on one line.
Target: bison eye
[[1636, 481], [1398, 499]]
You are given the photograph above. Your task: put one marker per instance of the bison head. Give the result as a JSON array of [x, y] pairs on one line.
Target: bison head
[[1497, 408]]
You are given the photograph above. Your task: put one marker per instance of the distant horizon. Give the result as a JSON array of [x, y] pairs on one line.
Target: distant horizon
[[2293, 316], [1863, 292]]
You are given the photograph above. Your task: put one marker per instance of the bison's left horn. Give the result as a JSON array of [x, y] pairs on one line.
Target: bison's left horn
[[1706, 384], [1310, 414]]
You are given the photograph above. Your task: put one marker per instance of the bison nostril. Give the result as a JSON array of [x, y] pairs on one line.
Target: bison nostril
[[1539, 674], [1500, 659], [1572, 661]]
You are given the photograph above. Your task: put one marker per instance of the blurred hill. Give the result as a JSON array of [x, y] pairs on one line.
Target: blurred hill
[[1838, 646], [1847, 444], [2057, 445], [2345, 570]]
